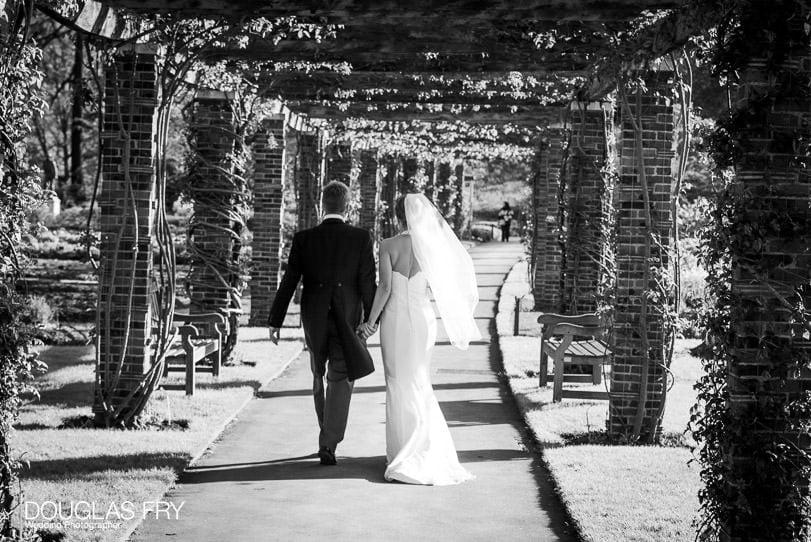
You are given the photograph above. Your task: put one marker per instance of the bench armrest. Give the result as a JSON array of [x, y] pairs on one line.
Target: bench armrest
[[187, 330], [213, 318], [187, 333], [197, 318], [585, 325], [574, 329], [590, 319], [208, 325]]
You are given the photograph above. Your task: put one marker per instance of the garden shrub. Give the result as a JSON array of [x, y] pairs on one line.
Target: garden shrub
[[481, 232]]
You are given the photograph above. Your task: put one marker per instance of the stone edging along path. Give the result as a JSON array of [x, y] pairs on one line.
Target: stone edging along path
[[515, 285]]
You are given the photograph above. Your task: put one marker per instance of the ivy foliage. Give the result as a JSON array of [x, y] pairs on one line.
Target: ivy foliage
[[751, 422], [440, 140], [188, 44], [20, 192]]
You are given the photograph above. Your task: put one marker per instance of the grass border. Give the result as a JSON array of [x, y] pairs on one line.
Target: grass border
[[504, 329]]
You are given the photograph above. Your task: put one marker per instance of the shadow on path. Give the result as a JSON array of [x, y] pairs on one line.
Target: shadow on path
[[87, 467], [304, 467], [270, 394]]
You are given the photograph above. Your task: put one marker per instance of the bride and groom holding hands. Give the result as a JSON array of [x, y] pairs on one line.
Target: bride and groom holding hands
[[342, 305]]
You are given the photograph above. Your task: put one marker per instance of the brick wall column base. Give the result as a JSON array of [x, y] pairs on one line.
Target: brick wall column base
[[388, 196], [268, 213], [308, 180], [654, 115], [126, 202], [584, 194], [369, 185], [546, 250]]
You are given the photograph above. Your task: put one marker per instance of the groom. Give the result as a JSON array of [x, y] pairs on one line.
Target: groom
[[336, 262]]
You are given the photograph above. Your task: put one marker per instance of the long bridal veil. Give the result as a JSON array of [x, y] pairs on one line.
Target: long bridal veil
[[447, 267]]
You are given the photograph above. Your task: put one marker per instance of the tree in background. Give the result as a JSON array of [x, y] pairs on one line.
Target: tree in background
[[63, 143], [497, 181]]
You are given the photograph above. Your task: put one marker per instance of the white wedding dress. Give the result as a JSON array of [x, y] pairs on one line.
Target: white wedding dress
[[419, 448]]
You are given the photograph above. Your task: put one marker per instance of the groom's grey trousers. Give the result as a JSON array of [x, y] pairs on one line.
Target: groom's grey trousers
[[332, 400]]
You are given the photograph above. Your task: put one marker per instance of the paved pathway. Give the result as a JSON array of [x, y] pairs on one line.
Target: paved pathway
[[262, 481]]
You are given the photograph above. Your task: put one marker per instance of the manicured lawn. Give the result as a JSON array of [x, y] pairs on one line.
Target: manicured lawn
[[104, 466], [613, 493], [627, 493]]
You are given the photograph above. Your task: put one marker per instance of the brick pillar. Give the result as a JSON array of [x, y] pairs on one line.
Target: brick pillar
[[409, 168], [308, 179], [768, 379], [654, 116], [584, 195], [459, 217], [339, 163], [467, 204], [338, 166], [444, 190], [547, 256], [214, 142], [429, 177], [126, 202], [268, 213], [369, 182], [388, 195]]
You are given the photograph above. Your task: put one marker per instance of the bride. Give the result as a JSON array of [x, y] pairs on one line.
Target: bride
[[419, 448]]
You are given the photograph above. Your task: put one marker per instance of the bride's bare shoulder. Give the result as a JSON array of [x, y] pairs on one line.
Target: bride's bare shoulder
[[398, 239], [395, 243]]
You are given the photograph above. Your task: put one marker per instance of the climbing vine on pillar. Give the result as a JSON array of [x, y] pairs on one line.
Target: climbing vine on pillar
[[752, 420], [645, 215], [184, 41], [218, 186]]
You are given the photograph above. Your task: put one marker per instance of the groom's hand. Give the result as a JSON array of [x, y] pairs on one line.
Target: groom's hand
[[361, 332], [366, 330], [274, 335]]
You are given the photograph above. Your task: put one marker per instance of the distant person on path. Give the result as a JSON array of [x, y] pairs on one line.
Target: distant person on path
[[336, 263], [505, 218]]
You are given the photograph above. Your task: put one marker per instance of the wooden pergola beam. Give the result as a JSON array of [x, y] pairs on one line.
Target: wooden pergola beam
[[316, 96], [488, 20], [371, 60], [553, 10], [520, 116], [450, 81], [439, 35], [504, 88], [462, 141], [665, 36], [442, 129]]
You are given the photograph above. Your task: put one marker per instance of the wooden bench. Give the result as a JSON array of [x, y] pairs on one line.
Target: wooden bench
[[200, 339], [573, 340]]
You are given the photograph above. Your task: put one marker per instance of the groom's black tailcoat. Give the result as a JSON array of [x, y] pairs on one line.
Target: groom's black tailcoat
[[336, 263]]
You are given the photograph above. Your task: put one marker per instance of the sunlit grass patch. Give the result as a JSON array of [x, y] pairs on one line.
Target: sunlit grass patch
[[104, 467], [614, 493]]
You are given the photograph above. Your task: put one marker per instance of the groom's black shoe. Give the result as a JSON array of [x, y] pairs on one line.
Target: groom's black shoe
[[327, 456]]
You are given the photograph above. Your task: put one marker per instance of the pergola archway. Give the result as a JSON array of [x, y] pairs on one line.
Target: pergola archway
[[540, 76]]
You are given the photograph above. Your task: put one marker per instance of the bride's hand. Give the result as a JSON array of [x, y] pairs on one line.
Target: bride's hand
[[367, 330]]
